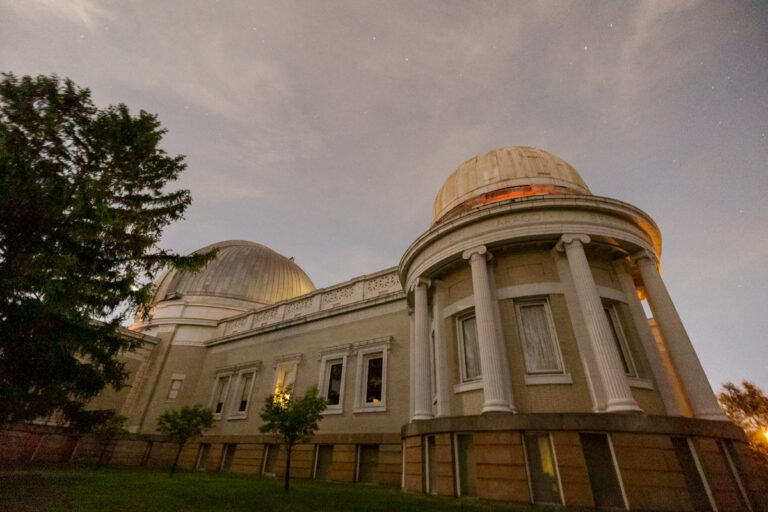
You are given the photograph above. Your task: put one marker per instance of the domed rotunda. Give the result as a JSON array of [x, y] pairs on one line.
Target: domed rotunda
[[505, 173], [508, 356]]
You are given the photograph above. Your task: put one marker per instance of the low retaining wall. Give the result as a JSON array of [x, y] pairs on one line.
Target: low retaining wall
[[23, 444]]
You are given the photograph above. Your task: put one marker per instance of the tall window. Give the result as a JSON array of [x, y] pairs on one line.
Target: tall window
[[334, 370], [373, 379], [331, 382], [220, 394], [618, 338], [537, 335], [697, 484], [371, 387], [286, 377], [468, 351], [464, 456], [232, 389], [603, 474], [542, 468], [245, 387]]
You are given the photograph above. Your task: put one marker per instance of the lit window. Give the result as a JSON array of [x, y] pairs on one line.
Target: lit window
[[220, 394], [468, 351], [542, 468], [333, 362], [176, 383], [537, 336], [620, 340], [286, 377], [371, 394]]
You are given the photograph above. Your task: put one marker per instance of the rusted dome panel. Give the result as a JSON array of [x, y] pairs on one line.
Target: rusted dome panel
[[241, 270], [504, 173]]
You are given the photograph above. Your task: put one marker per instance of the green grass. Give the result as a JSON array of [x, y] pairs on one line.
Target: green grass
[[109, 489]]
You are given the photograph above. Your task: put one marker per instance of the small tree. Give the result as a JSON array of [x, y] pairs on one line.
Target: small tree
[[293, 419], [105, 432], [747, 406], [181, 426]]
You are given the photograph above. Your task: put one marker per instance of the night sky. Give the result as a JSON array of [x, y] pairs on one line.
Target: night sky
[[325, 129]]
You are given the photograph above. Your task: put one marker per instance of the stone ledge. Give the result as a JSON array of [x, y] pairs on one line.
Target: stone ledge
[[634, 423]]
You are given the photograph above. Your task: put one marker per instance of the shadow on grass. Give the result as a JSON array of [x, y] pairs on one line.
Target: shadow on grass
[[110, 489]]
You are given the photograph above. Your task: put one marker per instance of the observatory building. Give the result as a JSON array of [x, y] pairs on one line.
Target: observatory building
[[507, 356]]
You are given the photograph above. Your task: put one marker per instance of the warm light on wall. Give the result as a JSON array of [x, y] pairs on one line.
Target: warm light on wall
[[534, 189]]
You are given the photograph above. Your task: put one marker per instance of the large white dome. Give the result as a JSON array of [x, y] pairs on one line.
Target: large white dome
[[505, 173], [241, 270]]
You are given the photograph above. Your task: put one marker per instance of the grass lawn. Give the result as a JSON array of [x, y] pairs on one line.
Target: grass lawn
[[109, 489]]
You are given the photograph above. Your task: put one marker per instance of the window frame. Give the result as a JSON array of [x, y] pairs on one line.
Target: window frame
[[623, 344], [282, 362], [555, 464], [329, 357], [614, 464], [547, 376], [221, 374], [176, 377], [241, 373], [460, 319], [365, 351]]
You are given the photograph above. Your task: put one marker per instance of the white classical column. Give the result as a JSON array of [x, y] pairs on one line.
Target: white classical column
[[412, 366], [665, 382], [505, 375], [493, 357], [442, 377], [679, 347], [618, 396], [422, 374]]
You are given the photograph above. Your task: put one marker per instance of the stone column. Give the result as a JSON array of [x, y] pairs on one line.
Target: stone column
[[412, 365], [422, 374], [699, 392], [618, 396], [665, 383], [442, 377], [496, 389], [506, 377]]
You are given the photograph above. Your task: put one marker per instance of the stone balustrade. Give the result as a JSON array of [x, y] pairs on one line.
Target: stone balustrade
[[357, 291]]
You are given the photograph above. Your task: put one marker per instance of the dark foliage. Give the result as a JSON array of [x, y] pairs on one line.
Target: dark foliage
[[83, 202], [747, 406]]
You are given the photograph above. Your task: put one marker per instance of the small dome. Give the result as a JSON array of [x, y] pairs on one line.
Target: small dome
[[241, 270], [503, 174]]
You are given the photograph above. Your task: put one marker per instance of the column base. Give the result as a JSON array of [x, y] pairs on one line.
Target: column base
[[422, 416], [497, 406], [711, 414], [622, 406]]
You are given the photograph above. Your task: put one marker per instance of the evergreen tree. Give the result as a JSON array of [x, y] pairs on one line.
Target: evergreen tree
[[83, 201]]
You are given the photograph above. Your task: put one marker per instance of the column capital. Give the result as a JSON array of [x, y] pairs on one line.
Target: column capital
[[644, 255], [480, 250], [421, 281], [571, 238]]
